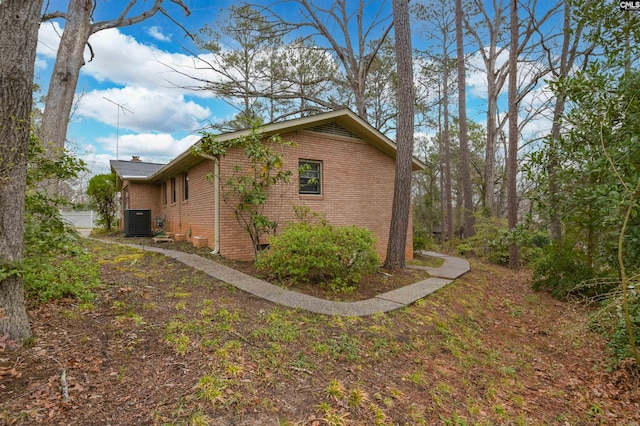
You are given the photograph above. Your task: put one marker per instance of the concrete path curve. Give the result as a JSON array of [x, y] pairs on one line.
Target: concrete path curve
[[451, 269]]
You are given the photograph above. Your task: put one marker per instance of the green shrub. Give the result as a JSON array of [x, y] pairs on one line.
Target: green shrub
[[423, 240], [69, 276], [320, 253], [493, 238], [609, 321], [485, 242], [619, 341], [563, 270]]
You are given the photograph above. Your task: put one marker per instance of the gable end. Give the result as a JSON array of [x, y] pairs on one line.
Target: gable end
[[334, 129]]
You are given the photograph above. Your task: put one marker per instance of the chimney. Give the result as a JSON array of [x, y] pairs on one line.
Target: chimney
[[135, 159]]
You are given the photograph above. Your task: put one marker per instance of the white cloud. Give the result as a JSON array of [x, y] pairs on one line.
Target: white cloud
[[48, 39], [476, 78], [156, 32], [143, 110], [151, 147], [122, 60]]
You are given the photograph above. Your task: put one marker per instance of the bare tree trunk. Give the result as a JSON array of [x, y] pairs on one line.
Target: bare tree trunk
[[568, 56], [443, 202], [555, 226], [447, 148], [512, 160], [64, 79], [70, 58], [19, 21], [465, 171], [402, 187], [490, 149]]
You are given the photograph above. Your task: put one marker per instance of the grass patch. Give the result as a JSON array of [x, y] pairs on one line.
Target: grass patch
[[64, 277], [421, 260]]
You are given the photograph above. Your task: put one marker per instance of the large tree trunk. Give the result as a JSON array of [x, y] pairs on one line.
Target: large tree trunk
[[490, 150], [555, 225], [512, 161], [70, 58], [567, 60], [64, 79], [402, 187], [19, 21], [465, 168], [447, 149]]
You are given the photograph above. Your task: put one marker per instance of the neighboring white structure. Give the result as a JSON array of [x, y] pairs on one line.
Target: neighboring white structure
[[80, 219]]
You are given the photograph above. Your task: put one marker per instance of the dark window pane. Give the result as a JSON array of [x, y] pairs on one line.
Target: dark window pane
[[310, 177]]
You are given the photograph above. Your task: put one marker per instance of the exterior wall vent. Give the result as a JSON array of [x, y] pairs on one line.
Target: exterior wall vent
[[334, 129], [137, 223]]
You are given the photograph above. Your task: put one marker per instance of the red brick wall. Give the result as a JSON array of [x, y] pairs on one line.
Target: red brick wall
[[142, 196], [194, 216], [357, 189]]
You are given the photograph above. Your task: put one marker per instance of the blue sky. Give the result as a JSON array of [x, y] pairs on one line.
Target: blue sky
[[130, 68], [160, 119]]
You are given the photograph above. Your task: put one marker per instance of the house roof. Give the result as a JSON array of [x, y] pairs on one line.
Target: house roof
[[134, 170], [343, 117]]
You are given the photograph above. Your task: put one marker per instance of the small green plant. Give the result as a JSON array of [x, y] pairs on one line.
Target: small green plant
[[119, 305], [357, 398], [345, 348], [279, 327], [417, 378], [212, 389], [67, 276], [130, 317], [335, 389], [180, 342], [335, 256], [198, 418], [247, 188]]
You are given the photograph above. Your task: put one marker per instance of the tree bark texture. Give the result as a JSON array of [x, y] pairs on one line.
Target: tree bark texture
[[465, 167], [567, 60], [402, 187], [64, 79], [512, 160], [495, 81], [19, 21], [447, 149]]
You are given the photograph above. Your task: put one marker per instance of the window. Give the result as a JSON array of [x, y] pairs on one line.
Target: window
[[173, 190], [310, 177], [164, 193], [185, 186]]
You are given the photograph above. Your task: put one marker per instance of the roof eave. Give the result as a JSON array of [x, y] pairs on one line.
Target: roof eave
[[344, 117]]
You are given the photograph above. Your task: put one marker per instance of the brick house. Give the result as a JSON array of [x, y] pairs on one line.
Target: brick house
[[353, 166]]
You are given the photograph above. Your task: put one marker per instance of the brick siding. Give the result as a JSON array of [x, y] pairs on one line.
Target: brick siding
[[357, 189]]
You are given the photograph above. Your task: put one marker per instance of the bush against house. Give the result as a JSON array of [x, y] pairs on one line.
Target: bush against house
[[321, 253]]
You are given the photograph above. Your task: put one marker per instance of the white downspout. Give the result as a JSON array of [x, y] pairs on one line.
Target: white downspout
[[216, 198], [216, 213]]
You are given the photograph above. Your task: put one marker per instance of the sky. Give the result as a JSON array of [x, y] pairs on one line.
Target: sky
[[158, 119], [130, 102]]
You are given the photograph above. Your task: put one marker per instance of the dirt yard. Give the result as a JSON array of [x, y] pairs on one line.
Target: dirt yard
[[163, 344]]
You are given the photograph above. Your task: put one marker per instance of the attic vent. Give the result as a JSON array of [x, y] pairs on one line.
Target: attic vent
[[334, 129]]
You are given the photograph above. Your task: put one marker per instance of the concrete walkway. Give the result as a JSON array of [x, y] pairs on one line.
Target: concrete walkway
[[452, 268]]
